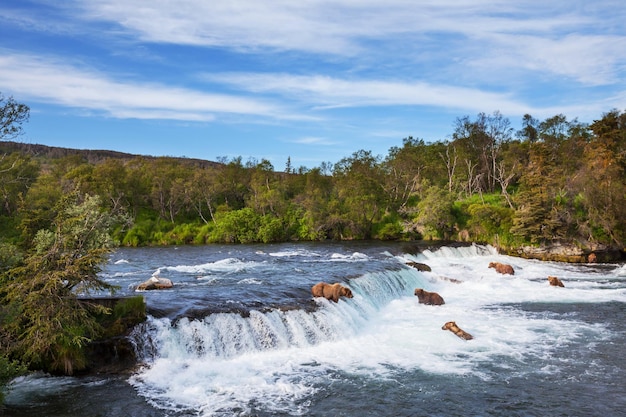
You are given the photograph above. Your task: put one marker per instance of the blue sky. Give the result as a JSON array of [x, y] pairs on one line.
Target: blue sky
[[311, 80]]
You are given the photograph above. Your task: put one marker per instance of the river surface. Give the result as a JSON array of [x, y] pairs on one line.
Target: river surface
[[241, 335]]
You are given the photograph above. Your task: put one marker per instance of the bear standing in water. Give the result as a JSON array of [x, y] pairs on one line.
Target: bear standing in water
[[331, 291], [555, 282], [429, 298], [502, 268]]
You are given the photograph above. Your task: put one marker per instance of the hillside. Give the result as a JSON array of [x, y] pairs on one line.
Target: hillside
[[92, 156]]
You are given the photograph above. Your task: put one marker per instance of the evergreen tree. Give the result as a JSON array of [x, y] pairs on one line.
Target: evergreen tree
[[43, 322]]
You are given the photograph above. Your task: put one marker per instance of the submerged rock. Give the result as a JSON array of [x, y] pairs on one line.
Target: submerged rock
[[419, 266]]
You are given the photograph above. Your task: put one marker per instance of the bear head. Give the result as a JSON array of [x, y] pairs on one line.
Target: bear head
[[345, 292], [449, 325]]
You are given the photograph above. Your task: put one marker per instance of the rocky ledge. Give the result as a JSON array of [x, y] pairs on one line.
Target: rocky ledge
[[567, 252]]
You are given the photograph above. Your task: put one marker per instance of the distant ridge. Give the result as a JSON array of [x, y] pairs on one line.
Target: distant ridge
[[93, 156]]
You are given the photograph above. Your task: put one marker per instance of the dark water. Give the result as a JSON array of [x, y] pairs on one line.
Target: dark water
[[240, 335]]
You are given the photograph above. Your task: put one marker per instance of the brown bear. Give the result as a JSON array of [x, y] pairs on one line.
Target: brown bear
[[555, 282], [457, 330], [592, 258], [429, 298], [331, 291], [502, 268]]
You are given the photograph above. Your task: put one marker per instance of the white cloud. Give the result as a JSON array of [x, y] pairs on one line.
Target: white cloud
[[588, 59], [465, 55], [311, 140], [329, 92], [539, 36], [321, 25], [54, 82]]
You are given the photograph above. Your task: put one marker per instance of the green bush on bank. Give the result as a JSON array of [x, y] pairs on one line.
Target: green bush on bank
[[9, 369]]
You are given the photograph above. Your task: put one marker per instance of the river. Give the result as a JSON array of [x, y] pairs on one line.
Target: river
[[241, 335]]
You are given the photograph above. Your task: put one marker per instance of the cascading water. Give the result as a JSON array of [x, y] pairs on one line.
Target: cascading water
[[240, 335], [226, 335]]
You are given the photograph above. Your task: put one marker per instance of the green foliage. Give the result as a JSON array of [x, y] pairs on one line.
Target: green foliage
[[435, 218], [237, 226], [47, 326], [12, 116], [126, 313], [271, 230], [9, 369], [563, 180], [389, 228], [10, 256], [489, 221], [202, 234]]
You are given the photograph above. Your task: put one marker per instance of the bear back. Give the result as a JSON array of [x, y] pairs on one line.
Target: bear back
[[502, 268], [331, 291], [428, 298]]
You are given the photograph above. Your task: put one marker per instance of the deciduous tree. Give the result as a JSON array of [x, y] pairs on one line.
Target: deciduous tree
[[12, 116]]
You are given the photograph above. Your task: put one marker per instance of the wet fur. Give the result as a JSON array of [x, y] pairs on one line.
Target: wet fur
[[457, 330], [502, 268], [331, 291], [555, 282], [429, 298]]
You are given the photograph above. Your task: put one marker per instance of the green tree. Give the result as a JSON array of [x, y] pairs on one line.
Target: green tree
[[601, 180], [47, 327], [237, 226], [530, 129], [478, 143], [12, 116], [204, 195], [17, 173], [359, 181], [435, 216], [9, 369], [315, 203], [536, 218], [406, 169], [265, 194]]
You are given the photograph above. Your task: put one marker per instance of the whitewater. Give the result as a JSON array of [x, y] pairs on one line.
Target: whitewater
[[241, 335]]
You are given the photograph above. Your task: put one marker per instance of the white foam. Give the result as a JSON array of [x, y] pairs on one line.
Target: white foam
[[294, 252], [24, 388], [277, 359], [250, 281], [354, 257], [228, 265]]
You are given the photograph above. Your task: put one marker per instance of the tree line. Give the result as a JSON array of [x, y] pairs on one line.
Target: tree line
[[555, 179]]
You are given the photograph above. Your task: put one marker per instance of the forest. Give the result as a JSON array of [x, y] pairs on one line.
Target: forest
[[62, 210], [553, 180]]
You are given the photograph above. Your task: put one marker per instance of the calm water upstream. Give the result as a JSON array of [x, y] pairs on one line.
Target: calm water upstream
[[240, 335]]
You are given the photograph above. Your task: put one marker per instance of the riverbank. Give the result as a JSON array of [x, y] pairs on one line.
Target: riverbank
[[567, 252]]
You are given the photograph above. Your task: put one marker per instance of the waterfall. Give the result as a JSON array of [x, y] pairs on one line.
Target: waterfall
[[227, 335]]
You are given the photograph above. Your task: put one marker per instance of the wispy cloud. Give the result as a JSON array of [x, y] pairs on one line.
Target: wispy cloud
[[536, 35], [587, 59], [310, 140], [329, 92], [51, 81], [318, 55]]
